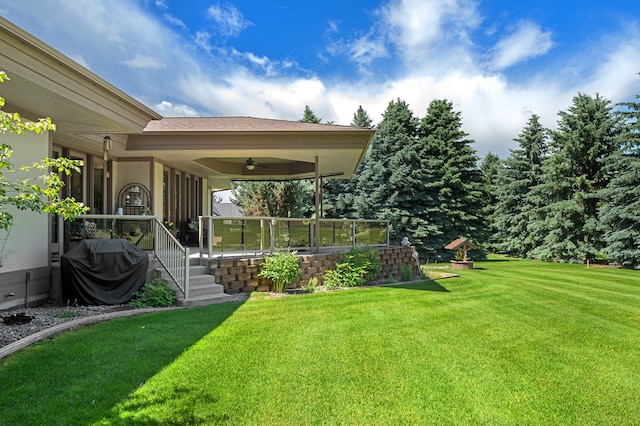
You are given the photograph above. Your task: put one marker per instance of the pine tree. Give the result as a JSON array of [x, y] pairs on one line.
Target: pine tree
[[621, 213], [309, 116], [395, 131], [339, 194], [490, 168], [439, 186], [361, 119], [573, 176], [516, 203]]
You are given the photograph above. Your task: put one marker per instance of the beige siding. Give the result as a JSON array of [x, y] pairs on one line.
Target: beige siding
[[27, 245]]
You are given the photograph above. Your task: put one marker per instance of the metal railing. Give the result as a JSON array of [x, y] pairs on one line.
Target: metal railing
[[146, 232], [220, 236]]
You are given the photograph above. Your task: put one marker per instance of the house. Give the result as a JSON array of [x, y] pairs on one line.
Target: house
[[225, 209], [136, 160]]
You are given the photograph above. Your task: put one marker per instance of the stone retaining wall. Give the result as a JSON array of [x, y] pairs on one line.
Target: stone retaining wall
[[241, 274]]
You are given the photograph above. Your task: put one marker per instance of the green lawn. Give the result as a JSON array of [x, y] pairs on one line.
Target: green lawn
[[514, 342]]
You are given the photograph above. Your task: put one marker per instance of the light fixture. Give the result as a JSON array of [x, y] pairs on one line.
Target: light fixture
[[250, 164], [106, 148]]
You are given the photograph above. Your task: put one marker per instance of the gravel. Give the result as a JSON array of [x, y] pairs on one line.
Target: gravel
[[53, 313], [46, 316]]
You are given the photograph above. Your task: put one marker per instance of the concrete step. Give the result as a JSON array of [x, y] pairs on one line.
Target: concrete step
[[203, 289], [196, 290], [198, 270], [206, 300]]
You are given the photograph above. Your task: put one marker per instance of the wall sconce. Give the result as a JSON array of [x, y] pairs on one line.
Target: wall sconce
[[106, 148]]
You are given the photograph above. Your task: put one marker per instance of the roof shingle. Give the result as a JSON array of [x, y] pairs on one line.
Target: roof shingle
[[238, 124]]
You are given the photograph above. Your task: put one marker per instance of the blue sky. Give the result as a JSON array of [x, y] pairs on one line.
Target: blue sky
[[498, 61]]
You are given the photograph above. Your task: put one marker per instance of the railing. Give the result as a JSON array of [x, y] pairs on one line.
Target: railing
[[146, 232], [220, 236], [173, 256]]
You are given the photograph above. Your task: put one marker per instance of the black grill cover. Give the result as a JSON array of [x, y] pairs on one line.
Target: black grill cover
[[103, 271]]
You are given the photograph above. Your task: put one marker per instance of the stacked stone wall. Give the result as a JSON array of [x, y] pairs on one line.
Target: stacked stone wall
[[242, 274]]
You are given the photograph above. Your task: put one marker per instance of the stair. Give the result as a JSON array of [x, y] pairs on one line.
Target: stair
[[203, 289]]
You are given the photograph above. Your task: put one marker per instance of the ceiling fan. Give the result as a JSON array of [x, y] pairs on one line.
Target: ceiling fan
[[250, 164]]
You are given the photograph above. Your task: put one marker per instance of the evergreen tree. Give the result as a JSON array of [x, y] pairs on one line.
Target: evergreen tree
[[490, 168], [339, 194], [361, 119], [621, 212], [309, 116], [516, 202], [436, 185], [573, 176], [396, 130]]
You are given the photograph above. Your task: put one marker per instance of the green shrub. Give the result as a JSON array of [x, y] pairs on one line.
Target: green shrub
[[406, 272], [358, 266], [282, 268], [311, 287], [155, 294]]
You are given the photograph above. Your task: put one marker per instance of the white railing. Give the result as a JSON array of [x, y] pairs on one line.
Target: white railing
[[220, 236], [173, 256], [146, 232]]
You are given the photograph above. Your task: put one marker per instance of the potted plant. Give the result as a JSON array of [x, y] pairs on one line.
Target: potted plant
[[171, 227]]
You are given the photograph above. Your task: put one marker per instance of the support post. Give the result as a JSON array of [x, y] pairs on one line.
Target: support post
[[317, 239]]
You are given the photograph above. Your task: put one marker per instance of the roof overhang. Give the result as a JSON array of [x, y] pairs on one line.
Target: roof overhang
[[220, 147], [45, 83]]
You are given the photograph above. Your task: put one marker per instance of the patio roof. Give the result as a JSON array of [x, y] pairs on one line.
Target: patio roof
[[222, 147]]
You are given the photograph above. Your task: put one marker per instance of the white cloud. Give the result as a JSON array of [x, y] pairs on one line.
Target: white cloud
[[366, 49], [416, 26], [228, 20], [202, 39], [174, 21], [525, 42], [243, 93], [143, 61], [332, 27], [168, 109]]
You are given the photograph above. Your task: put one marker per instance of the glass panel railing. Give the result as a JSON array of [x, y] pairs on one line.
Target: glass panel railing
[[336, 233], [239, 235], [292, 233], [371, 233]]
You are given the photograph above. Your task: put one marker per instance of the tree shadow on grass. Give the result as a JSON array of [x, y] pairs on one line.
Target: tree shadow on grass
[[426, 284], [185, 400], [79, 377]]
